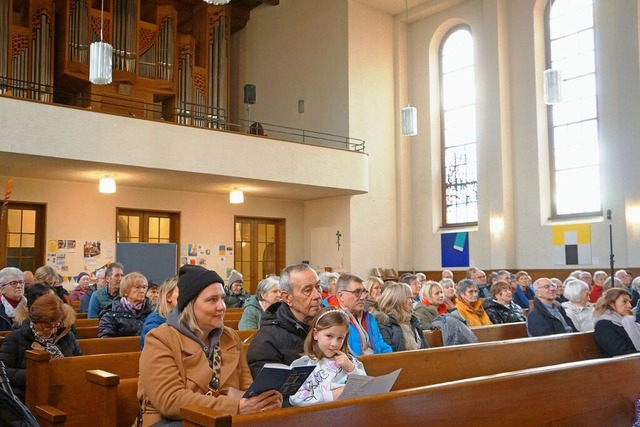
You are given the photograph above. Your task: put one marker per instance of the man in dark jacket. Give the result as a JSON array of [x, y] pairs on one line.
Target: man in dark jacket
[[547, 317], [284, 325]]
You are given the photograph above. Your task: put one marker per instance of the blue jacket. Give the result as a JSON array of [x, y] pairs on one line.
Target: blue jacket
[[541, 322], [153, 321], [371, 325]]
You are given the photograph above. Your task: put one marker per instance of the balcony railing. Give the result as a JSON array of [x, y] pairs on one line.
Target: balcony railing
[[187, 114]]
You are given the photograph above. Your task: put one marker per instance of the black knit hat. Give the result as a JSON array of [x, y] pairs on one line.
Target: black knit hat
[[192, 279]]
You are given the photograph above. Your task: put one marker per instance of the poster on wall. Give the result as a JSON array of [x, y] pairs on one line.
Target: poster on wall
[[92, 248], [455, 249], [571, 244]]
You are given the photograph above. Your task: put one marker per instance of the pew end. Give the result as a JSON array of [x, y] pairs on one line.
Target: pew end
[[48, 416], [199, 416]]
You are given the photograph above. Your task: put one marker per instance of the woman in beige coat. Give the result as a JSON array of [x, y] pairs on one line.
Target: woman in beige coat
[[194, 360]]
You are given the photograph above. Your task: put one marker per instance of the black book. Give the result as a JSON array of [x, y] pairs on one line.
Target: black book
[[276, 376]]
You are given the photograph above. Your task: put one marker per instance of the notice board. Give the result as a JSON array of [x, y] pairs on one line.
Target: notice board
[[157, 261]]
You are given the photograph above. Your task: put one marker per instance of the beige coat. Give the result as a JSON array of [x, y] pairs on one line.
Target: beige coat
[[174, 372]]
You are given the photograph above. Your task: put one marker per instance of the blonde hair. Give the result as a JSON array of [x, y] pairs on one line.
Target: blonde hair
[[168, 286], [45, 274], [392, 302], [425, 291], [188, 318], [325, 319], [372, 280], [129, 280]]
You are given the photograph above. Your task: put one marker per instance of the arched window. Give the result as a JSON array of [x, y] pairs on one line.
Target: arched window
[[458, 129], [573, 123]]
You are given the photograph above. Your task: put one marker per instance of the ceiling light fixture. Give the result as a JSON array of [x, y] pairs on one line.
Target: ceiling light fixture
[[217, 2], [409, 114], [100, 53], [236, 196], [107, 184]]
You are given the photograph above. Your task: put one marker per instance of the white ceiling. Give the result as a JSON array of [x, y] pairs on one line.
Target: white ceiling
[[417, 8]]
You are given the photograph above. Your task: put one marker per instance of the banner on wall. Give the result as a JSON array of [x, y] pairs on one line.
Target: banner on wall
[[455, 249], [571, 244]]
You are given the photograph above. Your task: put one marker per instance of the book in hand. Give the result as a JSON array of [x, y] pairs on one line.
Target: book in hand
[[276, 376]]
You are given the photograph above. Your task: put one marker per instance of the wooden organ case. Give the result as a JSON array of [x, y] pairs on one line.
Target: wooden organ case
[[170, 58]]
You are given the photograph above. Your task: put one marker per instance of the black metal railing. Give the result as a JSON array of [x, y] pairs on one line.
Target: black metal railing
[[187, 114]]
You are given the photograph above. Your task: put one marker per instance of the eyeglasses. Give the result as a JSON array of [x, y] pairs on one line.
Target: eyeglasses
[[358, 292], [140, 288], [552, 286], [51, 325], [15, 283]]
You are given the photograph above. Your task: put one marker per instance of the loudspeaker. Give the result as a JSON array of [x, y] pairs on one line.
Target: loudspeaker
[[249, 94]]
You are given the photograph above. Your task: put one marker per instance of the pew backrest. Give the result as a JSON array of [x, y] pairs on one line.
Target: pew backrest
[[443, 364], [566, 395], [109, 345]]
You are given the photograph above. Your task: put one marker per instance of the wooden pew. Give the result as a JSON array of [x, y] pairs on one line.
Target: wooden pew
[[442, 364], [592, 392], [233, 324], [247, 335], [80, 323], [488, 333], [81, 315], [434, 365], [87, 332], [109, 345], [58, 391]]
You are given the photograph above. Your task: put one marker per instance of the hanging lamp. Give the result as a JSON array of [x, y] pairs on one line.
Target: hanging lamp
[[409, 115], [100, 57]]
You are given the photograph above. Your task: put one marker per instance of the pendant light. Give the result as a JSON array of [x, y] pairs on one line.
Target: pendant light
[[217, 2], [409, 114], [100, 57]]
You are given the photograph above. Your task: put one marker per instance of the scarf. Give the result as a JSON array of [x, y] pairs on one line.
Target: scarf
[[47, 344], [135, 309], [627, 322], [11, 305], [442, 308], [409, 337]]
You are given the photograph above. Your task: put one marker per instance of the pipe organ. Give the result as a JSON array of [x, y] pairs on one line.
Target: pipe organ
[[170, 60], [26, 49]]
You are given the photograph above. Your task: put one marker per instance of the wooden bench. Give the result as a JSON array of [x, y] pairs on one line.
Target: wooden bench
[[58, 392], [87, 322], [488, 333], [430, 366], [86, 332], [109, 345], [443, 364], [592, 392]]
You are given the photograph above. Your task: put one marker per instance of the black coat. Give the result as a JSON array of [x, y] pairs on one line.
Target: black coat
[[280, 338], [499, 313], [612, 339], [12, 353], [540, 322], [392, 334], [118, 321]]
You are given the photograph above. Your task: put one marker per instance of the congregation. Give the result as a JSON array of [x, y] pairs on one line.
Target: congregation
[[328, 320]]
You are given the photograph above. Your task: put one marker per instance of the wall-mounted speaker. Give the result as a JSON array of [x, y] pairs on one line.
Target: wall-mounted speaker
[[249, 94]]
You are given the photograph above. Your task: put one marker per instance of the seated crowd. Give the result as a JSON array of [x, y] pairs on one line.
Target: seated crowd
[[300, 318]]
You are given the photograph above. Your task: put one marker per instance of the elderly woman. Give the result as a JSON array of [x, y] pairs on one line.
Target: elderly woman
[[11, 295], [44, 325], [127, 312], [167, 300], [523, 293], [469, 305], [577, 306], [449, 289], [616, 331], [267, 293], [374, 286], [328, 282], [235, 296], [194, 358], [500, 307], [83, 280], [431, 304], [49, 276], [398, 326]]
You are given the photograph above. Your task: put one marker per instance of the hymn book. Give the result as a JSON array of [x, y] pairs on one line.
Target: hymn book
[[276, 376]]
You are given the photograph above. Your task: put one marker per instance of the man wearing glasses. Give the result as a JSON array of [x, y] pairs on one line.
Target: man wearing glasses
[[364, 334], [11, 295], [547, 317]]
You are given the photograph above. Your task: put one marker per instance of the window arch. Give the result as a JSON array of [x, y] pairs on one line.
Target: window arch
[[573, 123], [458, 128]]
